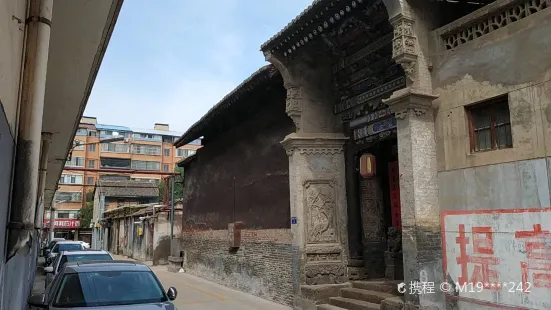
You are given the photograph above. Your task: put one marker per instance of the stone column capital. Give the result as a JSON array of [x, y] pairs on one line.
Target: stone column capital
[[404, 100], [314, 143]]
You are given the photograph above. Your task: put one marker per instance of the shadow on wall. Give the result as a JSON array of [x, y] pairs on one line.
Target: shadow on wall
[[161, 251]]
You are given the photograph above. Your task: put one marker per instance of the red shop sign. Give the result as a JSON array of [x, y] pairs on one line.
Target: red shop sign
[[63, 223]]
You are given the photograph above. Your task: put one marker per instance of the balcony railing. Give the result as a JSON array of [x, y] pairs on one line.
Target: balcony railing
[[490, 18]]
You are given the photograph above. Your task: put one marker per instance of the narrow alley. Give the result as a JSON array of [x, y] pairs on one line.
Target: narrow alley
[[193, 293]]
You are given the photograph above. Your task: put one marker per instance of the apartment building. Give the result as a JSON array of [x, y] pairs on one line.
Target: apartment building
[[141, 154]]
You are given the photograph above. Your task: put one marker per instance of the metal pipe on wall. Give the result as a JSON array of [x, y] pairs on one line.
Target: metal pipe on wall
[[51, 233], [39, 214], [24, 193]]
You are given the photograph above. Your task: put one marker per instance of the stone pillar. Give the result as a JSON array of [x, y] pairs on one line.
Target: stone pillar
[[316, 176], [421, 233], [318, 203]]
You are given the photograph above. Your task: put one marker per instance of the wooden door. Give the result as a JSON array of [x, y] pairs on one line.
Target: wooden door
[[394, 185]]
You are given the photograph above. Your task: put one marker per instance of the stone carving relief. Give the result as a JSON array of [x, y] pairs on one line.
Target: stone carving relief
[[321, 211], [293, 104], [394, 240], [325, 273], [404, 45], [322, 257], [402, 113]]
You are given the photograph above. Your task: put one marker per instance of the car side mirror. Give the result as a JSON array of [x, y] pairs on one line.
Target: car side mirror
[[172, 293], [37, 301], [49, 269]]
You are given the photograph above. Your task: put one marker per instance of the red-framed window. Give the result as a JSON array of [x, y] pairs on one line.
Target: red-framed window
[[490, 125]]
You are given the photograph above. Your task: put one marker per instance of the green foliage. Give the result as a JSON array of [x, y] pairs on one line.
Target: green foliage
[[90, 196], [87, 212]]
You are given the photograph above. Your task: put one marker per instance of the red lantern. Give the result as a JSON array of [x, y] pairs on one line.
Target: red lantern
[[367, 166]]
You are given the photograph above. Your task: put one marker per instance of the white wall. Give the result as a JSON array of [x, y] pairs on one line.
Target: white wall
[[11, 51]]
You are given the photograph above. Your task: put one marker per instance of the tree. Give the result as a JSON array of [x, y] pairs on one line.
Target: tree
[[87, 211], [178, 185]]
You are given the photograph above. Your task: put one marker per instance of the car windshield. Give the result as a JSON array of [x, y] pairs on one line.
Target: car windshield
[[108, 288], [87, 257], [68, 247]]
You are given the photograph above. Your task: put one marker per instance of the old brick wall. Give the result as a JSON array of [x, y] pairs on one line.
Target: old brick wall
[[261, 266], [242, 175]]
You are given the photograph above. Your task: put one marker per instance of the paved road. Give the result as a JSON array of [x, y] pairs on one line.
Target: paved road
[[198, 294]]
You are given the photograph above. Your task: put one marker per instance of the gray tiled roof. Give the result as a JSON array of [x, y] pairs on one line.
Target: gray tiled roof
[[128, 188]]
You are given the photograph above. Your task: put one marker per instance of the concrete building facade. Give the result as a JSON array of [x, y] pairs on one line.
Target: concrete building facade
[[419, 153], [142, 153], [41, 39]]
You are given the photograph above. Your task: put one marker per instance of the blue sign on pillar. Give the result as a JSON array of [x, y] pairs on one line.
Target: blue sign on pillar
[[293, 220]]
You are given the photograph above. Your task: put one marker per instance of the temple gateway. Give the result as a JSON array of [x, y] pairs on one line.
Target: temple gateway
[[412, 121]]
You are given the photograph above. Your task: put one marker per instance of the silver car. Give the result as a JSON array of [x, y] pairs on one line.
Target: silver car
[[105, 285], [73, 256], [64, 245]]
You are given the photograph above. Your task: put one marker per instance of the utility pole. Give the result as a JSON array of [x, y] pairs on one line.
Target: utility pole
[[172, 208], [52, 221]]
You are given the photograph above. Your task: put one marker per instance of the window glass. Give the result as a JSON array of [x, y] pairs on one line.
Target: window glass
[[55, 249], [108, 288], [88, 257], [61, 263], [69, 246]]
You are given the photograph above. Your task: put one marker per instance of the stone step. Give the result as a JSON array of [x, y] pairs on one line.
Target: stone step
[[353, 304], [365, 295], [329, 307], [389, 287]]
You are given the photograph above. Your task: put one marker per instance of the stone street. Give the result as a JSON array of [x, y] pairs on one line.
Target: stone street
[[198, 294]]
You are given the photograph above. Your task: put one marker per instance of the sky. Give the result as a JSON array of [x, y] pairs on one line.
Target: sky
[[171, 63]]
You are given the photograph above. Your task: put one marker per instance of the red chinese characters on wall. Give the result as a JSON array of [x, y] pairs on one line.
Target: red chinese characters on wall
[[483, 258], [536, 269]]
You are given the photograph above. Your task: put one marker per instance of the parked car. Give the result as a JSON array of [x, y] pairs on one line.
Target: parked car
[[105, 285], [63, 246], [48, 248], [73, 256]]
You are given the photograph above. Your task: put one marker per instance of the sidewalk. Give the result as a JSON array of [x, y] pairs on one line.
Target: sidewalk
[[195, 293], [39, 278]]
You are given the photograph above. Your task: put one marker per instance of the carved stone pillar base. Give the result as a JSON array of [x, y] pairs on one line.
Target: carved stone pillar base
[[394, 266], [318, 207], [356, 273]]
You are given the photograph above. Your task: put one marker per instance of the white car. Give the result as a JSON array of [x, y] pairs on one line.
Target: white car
[[63, 246], [74, 256]]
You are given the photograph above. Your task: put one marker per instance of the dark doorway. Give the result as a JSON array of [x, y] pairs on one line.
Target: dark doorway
[[380, 212]]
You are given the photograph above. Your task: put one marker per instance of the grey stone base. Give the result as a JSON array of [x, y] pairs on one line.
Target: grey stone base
[[394, 266], [393, 303], [318, 294], [356, 273], [174, 263]]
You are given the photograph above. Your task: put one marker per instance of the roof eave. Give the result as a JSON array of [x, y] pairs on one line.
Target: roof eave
[[248, 85]]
